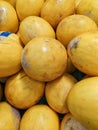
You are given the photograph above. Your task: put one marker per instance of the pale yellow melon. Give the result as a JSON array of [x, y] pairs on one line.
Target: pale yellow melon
[[82, 102]]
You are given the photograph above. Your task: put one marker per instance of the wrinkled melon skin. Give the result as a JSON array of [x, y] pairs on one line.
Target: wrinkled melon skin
[[82, 102]]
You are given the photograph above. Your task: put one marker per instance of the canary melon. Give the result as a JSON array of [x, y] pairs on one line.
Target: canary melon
[[88, 8], [27, 8], [55, 10], [10, 54], [72, 26], [56, 92], [83, 52], [8, 17], [22, 92], [9, 117], [44, 59], [39, 117], [82, 102], [34, 26]]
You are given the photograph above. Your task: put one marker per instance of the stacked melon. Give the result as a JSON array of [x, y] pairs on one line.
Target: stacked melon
[[48, 65]]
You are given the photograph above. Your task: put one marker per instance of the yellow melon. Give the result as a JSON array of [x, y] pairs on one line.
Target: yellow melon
[[10, 54], [12, 2], [22, 92], [83, 52], [88, 8], [44, 59], [8, 17], [34, 26], [27, 8], [82, 102], [39, 117], [55, 10], [9, 117], [56, 92], [72, 26]]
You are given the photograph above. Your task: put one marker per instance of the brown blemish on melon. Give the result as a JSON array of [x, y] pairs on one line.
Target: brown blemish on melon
[[73, 44]]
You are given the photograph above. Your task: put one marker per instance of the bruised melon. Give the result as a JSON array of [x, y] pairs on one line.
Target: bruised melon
[[44, 59], [83, 52]]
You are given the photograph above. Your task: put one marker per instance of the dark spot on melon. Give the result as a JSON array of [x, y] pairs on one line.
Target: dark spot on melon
[[73, 44]]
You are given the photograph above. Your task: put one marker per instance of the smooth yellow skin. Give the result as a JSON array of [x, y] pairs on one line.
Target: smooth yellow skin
[[12, 2], [83, 52], [77, 2], [56, 92], [70, 123], [72, 26], [83, 102], [23, 92], [55, 10], [27, 8], [44, 59], [40, 117], [9, 117], [34, 26], [10, 56], [88, 8], [8, 17]]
